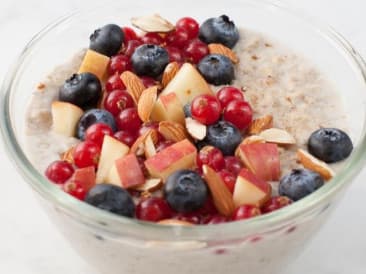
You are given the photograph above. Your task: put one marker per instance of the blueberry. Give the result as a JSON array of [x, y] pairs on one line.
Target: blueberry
[[185, 191], [83, 90], [330, 145], [216, 69], [300, 183], [223, 135], [219, 30], [111, 198], [187, 110], [107, 40], [149, 60], [94, 116]]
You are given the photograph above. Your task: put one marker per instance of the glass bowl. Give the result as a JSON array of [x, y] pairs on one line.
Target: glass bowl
[[117, 245]]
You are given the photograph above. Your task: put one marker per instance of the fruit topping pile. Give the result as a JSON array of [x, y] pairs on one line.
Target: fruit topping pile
[[165, 137]]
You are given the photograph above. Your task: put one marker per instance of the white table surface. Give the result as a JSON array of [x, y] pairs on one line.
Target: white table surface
[[29, 244]]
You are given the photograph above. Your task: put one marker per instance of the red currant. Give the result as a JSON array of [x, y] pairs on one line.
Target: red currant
[[239, 113], [229, 179], [118, 64], [233, 164], [189, 25], [216, 219], [152, 38], [75, 189], [148, 81], [129, 120], [188, 217], [86, 154], [196, 50], [153, 209], [206, 109], [163, 145], [175, 54], [129, 34], [212, 157], [125, 137], [96, 132], [228, 94], [208, 208], [114, 82], [59, 172], [246, 212], [276, 203], [118, 100], [131, 46], [178, 38]]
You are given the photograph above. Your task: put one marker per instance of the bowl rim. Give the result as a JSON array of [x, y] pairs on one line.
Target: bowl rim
[[117, 225]]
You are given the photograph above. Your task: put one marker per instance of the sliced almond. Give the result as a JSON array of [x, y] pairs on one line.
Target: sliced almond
[[68, 155], [221, 49], [277, 136], [170, 71], [134, 85], [150, 185], [197, 130], [222, 197], [260, 124], [152, 23], [174, 222], [138, 146], [146, 103], [314, 164], [150, 150], [172, 131]]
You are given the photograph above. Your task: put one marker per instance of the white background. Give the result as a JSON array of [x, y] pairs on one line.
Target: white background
[[29, 244]]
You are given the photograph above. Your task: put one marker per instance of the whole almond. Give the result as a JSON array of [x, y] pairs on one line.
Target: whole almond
[[170, 71], [146, 103], [222, 197], [221, 49], [134, 85], [260, 124], [172, 131], [68, 155], [314, 164]]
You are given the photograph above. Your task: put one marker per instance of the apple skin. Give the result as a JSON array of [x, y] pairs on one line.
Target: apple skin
[[262, 159], [180, 155], [251, 190], [85, 176], [129, 171], [168, 108]]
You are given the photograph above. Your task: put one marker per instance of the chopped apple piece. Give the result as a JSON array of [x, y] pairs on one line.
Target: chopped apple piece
[[187, 84], [180, 155], [95, 63], [262, 159], [113, 177], [112, 150], [85, 176], [251, 190], [168, 108], [129, 171], [65, 117]]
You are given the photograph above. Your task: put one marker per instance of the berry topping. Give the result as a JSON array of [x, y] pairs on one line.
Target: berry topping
[[83, 90], [276, 203], [239, 113], [107, 40], [233, 165], [212, 157], [206, 109], [59, 172], [75, 189], [189, 25], [185, 191], [149, 60], [178, 38], [130, 34], [96, 132], [229, 179], [114, 82], [126, 137], [219, 30], [128, 120], [111, 198], [223, 135], [118, 100], [118, 64], [196, 50], [152, 38], [330, 145], [153, 209], [300, 183], [94, 116], [175, 54], [216, 69], [246, 212], [86, 154], [228, 94], [131, 46]]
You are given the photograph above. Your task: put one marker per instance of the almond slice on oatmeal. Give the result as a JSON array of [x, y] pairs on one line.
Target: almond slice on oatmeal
[[314, 164], [152, 23], [67, 156], [260, 124], [277, 136], [197, 130]]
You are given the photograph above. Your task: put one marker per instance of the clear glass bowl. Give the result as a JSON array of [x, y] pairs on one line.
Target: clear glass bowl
[[119, 245]]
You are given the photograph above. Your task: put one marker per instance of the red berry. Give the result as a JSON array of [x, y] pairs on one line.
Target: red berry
[[196, 50], [125, 137], [229, 179], [233, 164], [175, 54], [148, 81], [118, 100], [212, 157], [246, 212], [208, 208], [192, 218], [59, 172], [228, 94], [131, 46], [216, 219], [86, 154], [118, 64], [75, 189], [114, 82], [206, 109], [189, 25], [129, 34], [129, 120], [239, 113], [96, 132], [153, 209], [276, 203], [163, 145], [152, 38], [178, 38]]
